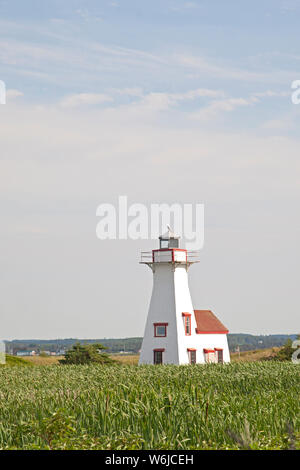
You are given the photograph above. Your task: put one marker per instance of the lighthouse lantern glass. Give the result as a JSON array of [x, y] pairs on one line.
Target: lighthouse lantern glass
[[173, 243], [170, 243], [164, 244]]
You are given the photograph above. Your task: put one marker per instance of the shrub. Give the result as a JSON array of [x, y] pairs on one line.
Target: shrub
[[285, 353], [86, 354]]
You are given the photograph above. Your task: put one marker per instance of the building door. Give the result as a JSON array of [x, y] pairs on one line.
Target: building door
[[219, 356], [158, 356], [192, 354]]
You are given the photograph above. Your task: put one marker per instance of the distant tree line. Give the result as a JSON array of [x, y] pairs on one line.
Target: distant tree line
[[244, 342]]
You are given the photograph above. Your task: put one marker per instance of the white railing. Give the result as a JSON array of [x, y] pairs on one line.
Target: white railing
[[146, 257], [193, 256]]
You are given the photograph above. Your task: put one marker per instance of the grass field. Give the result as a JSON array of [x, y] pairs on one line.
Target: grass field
[[51, 360], [133, 359], [12, 361], [244, 356], [242, 405], [43, 360], [253, 355]]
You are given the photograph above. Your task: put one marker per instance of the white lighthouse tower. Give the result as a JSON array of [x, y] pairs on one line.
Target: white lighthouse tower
[[175, 333]]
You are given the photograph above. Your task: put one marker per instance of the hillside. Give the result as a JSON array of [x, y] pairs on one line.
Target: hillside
[[12, 361], [254, 355], [245, 342]]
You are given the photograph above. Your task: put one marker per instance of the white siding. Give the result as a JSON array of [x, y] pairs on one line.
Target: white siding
[[170, 298], [162, 256]]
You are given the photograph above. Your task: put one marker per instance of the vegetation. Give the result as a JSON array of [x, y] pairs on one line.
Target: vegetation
[[43, 354], [245, 405], [255, 355], [12, 361], [251, 342], [86, 354], [285, 353], [133, 345], [44, 361]]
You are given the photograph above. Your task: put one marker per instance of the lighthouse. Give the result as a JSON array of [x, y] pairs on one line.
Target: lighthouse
[[175, 333]]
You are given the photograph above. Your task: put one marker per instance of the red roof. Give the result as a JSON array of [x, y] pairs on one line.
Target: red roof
[[207, 322]]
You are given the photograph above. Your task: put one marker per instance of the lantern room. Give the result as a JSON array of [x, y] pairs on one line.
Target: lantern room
[[168, 240]]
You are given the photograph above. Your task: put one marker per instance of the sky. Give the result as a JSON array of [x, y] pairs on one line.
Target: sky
[[165, 102]]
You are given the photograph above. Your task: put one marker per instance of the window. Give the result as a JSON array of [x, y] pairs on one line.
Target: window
[[164, 244], [158, 356], [209, 355], [160, 330], [169, 243], [192, 356], [219, 354], [187, 323], [174, 243]]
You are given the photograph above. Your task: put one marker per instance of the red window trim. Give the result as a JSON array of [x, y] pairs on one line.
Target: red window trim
[[158, 350], [192, 350], [185, 316], [217, 351], [160, 324], [170, 249], [208, 351]]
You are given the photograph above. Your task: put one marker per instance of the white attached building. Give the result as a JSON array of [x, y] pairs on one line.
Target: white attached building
[[175, 333]]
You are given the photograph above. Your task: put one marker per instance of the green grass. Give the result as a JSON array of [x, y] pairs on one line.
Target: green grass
[[254, 405], [15, 361]]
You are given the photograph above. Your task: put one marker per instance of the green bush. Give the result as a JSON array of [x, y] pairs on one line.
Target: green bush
[[86, 354], [286, 352]]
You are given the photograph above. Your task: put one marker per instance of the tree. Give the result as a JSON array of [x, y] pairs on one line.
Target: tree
[[43, 354], [286, 352], [86, 354]]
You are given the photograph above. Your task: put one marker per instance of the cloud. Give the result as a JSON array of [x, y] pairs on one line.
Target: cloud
[[69, 62], [200, 67], [133, 144], [128, 91], [12, 94], [155, 101], [206, 66], [57, 166], [184, 6], [213, 101], [160, 101], [198, 93], [271, 94], [229, 104], [87, 15], [279, 125], [83, 99], [217, 106]]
